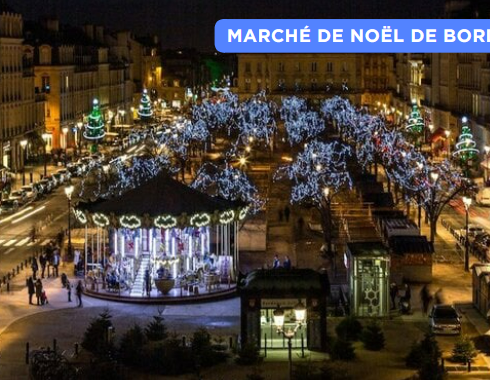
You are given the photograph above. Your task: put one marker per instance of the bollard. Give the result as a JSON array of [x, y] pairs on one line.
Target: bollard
[[54, 345], [469, 365], [27, 353], [231, 343], [8, 286], [21, 266], [76, 349], [265, 345], [4, 280], [442, 364], [8, 276], [183, 341], [25, 263], [13, 272], [302, 346], [18, 269]]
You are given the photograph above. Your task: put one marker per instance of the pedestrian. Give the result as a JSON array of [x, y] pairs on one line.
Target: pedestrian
[[68, 289], [79, 291], [76, 259], [30, 289], [34, 267], [43, 260], [287, 262], [438, 297], [276, 264], [56, 262], [287, 213], [39, 290], [147, 282], [44, 298], [425, 298], [280, 215], [408, 295], [393, 294]]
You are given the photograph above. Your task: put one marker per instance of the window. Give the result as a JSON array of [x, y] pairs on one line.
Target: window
[[45, 84], [297, 67], [345, 67], [314, 84], [247, 84], [329, 67], [247, 67], [313, 67], [280, 67], [259, 67]]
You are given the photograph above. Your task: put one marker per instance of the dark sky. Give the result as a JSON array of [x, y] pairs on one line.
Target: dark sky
[[190, 23]]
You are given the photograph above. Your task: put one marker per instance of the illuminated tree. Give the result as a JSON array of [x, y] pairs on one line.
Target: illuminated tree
[[94, 129], [145, 111], [465, 152]]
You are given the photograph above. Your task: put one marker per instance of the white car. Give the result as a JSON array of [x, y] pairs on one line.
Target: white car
[[66, 175], [30, 191], [444, 319], [19, 196]]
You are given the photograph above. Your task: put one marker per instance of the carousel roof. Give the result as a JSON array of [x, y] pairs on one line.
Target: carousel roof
[[160, 195]]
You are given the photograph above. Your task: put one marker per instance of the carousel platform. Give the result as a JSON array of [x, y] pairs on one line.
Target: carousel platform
[[174, 296]]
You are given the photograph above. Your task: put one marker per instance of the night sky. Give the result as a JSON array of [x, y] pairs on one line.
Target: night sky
[[190, 23]]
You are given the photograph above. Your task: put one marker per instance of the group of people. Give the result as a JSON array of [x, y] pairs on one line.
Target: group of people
[[277, 263], [426, 298], [49, 257], [36, 288]]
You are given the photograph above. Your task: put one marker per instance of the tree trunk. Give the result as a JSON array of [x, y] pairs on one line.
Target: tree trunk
[[433, 228], [326, 220]]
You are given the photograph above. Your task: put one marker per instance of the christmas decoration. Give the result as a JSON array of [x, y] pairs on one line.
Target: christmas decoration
[[165, 221], [465, 151], [130, 221], [145, 111], [200, 220], [415, 124], [94, 129]]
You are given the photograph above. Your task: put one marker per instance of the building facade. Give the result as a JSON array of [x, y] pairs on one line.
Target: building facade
[[72, 67], [21, 109], [364, 78]]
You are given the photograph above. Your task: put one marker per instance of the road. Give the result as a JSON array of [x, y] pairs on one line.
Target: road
[[15, 229]]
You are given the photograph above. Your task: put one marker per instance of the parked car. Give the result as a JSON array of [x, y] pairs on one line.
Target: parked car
[[19, 196], [8, 206], [54, 181], [30, 191], [47, 186], [65, 174], [75, 169], [483, 196], [60, 179], [473, 230], [444, 319]]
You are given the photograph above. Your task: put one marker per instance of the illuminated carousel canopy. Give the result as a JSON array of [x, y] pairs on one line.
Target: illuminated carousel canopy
[[160, 202]]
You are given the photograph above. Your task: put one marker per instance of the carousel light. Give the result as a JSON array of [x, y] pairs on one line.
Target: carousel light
[[200, 220], [81, 217], [100, 220], [243, 213], [226, 217], [165, 221], [130, 221]]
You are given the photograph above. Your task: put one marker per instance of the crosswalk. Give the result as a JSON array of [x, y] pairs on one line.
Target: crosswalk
[[21, 242]]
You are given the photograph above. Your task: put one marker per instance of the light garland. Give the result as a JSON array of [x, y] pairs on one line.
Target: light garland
[[80, 215], [226, 217], [200, 220], [100, 220], [165, 221], [243, 213], [168, 262], [130, 221]]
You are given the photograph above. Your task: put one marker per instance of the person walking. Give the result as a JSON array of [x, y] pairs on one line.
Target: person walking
[[287, 263], [56, 262], [276, 264], [39, 291], [43, 260], [147, 282], [30, 289], [34, 267], [68, 290], [393, 294], [425, 298], [408, 296], [287, 213], [79, 291]]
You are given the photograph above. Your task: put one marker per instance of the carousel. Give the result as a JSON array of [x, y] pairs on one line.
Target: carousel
[[161, 240]]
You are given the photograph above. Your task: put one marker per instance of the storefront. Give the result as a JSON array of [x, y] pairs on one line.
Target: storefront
[[265, 292]]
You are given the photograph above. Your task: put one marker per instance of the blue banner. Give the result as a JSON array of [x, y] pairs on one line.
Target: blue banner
[[352, 36]]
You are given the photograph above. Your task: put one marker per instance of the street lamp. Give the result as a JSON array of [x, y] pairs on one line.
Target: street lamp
[[23, 144], [79, 137], [448, 133], [300, 316], [69, 192], [467, 204], [487, 151], [45, 137]]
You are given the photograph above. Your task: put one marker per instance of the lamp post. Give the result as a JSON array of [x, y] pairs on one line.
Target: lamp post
[[300, 316], [467, 204], [23, 145], [487, 151], [69, 192], [448, 133], [328, 202], [79, 137], [45, 137]]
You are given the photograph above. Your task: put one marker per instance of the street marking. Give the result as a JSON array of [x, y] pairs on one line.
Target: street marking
[[31, 243], [28, 215], [10, 242], [22, 242], [45, 242], [8, 251], [2, 240], [16, 214]]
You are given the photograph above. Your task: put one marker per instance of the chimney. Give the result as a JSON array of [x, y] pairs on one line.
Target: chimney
[[99, 34], [89, 30]]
